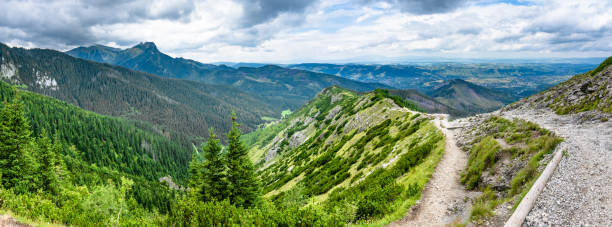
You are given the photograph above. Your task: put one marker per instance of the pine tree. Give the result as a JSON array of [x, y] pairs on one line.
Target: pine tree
[[214, 170], [49, 163], [195, 176], [16, 146], [244, 185]]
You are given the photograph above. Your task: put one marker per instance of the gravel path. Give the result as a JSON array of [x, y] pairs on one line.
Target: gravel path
[[443, 201], [579, 193]]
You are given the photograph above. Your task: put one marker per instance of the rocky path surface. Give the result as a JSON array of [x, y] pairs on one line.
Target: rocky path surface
[[8, 221], [579, 193], [443, 201]]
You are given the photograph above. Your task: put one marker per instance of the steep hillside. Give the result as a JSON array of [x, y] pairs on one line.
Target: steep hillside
[[470, 98], [91, 150], [430, 105], [363, 154], [127, 146], [284, 88], [184, 106], [585, 92]]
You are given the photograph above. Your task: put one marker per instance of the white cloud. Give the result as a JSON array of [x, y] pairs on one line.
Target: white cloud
[[336, 30]]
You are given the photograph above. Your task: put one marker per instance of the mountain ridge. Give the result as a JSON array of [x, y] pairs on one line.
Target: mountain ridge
[[184, 106], [470, 98], [286, 88]]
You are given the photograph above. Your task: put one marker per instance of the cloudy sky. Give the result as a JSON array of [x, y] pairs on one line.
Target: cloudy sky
[[286, 31]]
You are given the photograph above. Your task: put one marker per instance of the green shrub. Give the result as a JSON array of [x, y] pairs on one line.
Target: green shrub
[[482, 156]]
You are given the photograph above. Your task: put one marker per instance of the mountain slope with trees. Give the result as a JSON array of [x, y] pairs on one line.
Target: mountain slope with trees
[[284, 88], [63, 164], [470, 98], [176, 105]]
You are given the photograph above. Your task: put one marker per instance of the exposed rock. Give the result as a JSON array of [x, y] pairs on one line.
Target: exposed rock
[[332, 113], [582, 92], [170, 183], [336, 97], [298, 139], [8, 71]]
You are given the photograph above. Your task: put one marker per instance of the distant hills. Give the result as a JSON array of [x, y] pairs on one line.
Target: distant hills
[[429, 104], [291, 87], [518, 79], [177, 105], [470, 98], [283, 88]]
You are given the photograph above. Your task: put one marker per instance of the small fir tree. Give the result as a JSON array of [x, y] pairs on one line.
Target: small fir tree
[[244, 185]]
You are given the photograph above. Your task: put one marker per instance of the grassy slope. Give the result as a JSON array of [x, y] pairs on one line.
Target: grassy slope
[[346, 151], [524, 146]]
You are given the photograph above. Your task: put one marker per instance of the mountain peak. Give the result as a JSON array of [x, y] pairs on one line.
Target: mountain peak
[[147, 46]]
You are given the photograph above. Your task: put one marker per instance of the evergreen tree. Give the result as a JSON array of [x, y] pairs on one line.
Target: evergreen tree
[[195, 176], [16, 146], [50, 165], [214, 170], [244, 185]]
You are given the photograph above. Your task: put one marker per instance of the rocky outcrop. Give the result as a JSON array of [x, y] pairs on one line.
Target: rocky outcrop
[[591, 91]]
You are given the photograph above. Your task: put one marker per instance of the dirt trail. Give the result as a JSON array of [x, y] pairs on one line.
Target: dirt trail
[[8, 221], [443, 200]]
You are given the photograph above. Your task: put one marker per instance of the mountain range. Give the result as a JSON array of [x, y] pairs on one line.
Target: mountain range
[[470, 98], [285, 88], [517, 79], [182, 106], [289, 88]]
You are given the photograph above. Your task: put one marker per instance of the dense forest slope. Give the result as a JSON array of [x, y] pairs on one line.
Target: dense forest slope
[[366, 155], [184, 106], [284, 88], [76, 167], [470, 98], [119, 144]]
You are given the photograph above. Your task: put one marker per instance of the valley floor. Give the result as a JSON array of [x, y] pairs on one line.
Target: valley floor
[[579, 193], [444, 200]]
